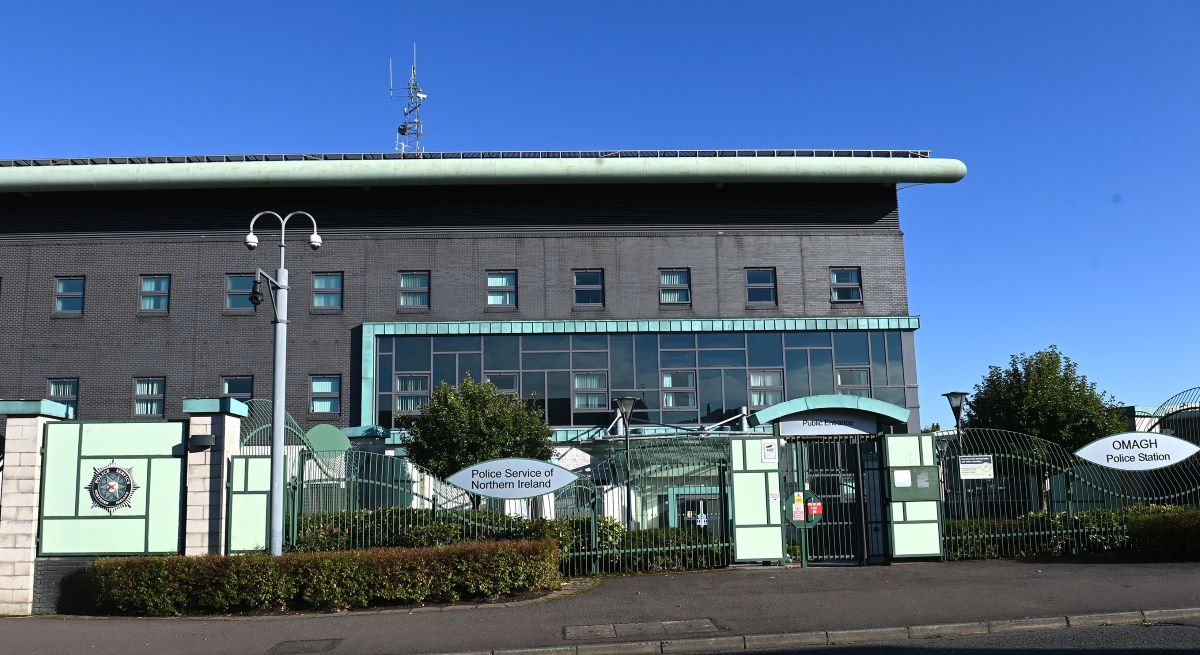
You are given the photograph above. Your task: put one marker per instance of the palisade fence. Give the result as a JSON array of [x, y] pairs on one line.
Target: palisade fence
[[355, 499], [1044, 500]]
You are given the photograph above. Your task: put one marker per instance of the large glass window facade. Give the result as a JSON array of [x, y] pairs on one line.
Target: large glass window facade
[[679, 378]]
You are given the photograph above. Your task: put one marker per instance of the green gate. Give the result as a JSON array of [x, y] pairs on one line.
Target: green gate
[[247, 518], [843, 473], [112, 489]]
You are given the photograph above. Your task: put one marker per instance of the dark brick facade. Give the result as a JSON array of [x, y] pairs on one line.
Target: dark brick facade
[[456, 233], [52, 576]]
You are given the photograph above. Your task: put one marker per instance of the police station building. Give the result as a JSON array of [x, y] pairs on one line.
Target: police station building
[[698, 282]]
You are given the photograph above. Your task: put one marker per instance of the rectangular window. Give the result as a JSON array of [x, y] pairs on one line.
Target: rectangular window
[[845, 285], [412, 393], [155, 293], [238, 386], [237, 291], [68, 295], [325, 394], [589, 287], [853, 381], [502, 288], [414, 289], [327, 291], [149, 396], [591, 391], [766, 387], [760, 286], [679, 389], [504, 382], [674, 286], [65, 391]]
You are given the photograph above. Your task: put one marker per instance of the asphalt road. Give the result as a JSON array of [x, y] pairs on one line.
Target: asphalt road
[[1108, 640]]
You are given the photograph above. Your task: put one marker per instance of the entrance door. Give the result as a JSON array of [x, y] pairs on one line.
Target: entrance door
[[701, 510], [844, 473]]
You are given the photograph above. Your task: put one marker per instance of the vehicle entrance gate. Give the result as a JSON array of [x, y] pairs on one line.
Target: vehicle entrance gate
[[840, 480]]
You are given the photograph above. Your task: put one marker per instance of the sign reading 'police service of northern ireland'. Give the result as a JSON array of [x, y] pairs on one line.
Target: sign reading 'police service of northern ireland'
[[1137, 451], [512, 478]]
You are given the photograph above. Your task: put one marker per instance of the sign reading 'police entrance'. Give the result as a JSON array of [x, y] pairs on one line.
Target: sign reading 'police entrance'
[[512, 478], [1137, 451]]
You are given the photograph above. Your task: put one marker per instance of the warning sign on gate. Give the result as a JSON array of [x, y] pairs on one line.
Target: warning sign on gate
[[797, 512], [815, 508]]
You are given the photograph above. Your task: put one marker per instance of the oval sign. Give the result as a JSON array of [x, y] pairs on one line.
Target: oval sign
[[1137, 451], [512, 478]]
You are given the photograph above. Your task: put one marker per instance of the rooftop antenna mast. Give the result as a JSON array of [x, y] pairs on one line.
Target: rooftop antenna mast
[[408, 135]]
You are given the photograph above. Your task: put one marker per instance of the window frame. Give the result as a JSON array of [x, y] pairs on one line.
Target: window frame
[[672, 390], [70, 401], [773, 286], [313, 395], [576, 287], [239, 396], [143, 294], [751, 387], [231, 292], [60, 295], [834, 286], [514, 391], [576, 392], [161, 397], [397, 394], [687, 286], [413, 290], [503, 289], [866, 387], [340, 291]]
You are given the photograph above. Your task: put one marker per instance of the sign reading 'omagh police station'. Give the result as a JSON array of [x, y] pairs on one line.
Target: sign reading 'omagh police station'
[[512, 478], [1137, 451]]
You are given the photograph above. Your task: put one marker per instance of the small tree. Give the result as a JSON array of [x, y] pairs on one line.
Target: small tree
[[471, 424], [1043, 394]]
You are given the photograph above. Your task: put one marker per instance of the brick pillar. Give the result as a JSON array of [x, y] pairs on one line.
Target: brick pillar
[[207, 468], [20, 497]]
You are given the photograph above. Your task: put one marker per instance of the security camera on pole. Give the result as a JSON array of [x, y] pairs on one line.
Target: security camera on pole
[[278, 288]]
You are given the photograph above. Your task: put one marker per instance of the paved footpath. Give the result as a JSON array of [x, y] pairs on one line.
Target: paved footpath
[[661, 612]]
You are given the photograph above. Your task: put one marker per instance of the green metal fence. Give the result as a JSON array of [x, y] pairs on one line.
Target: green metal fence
[[665, 510], [1043, 500]]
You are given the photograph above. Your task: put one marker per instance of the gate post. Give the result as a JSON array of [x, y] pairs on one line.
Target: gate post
[[20, 498], [214, 430]]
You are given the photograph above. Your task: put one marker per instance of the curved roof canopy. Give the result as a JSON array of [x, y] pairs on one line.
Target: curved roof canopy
[[888, 412]]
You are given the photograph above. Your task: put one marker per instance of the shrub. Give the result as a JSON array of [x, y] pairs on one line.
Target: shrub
[[1036, 534], [172, 586], [1166, 531]]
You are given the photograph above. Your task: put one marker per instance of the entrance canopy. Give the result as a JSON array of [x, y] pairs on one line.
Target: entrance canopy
[[831, 414]]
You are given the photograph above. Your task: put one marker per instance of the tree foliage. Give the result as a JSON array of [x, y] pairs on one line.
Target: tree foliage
[[472, 424], [1043, 394]]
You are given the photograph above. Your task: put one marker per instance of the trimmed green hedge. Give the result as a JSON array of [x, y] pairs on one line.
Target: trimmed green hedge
[[173, 586], [1166, 531]]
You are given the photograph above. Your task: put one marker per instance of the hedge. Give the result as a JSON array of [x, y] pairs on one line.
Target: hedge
[[1166, 531], [331, 581]]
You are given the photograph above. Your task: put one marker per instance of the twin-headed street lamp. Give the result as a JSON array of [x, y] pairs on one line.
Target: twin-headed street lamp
[[278, 288]]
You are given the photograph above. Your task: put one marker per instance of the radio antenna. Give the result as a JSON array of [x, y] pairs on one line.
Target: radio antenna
[[408, 135]]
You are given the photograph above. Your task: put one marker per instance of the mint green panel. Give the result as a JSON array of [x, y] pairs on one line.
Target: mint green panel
[[916, 540], [750, 499], [326, 438], [100, 439], [754, 455], [101, 536], [137, 502], [927, 450], [238, 476], [773, 508], [921, 511], [164, 506], [903, 450], [248, 522], [60, 470], [758, 543], [258, 474]]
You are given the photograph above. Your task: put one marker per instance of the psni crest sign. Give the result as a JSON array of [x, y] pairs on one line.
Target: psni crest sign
[[1137, 451]]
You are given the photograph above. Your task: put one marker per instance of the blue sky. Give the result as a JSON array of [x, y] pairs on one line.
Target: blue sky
[[1076, 226]]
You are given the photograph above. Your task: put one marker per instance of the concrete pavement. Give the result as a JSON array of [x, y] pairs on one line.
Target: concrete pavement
[[734, 609]]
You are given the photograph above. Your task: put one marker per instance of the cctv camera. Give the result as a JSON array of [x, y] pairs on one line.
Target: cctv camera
[[256, 296], [314, 241], [251, 241]]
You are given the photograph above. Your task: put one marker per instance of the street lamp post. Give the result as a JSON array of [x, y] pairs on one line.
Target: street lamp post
[[278, 288], [956, 398], [625, 404]]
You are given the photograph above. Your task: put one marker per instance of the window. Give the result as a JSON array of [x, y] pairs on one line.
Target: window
[[760, 286], [65, 391], [589, 287], [853, 381], [325, 394], [148, 396], [766, 387], [68, 295], [674, 286], [505, 383], [591, 391], [238, 386], [327, 291], [237, 291], [414, 289], [412, 393], [155, 293], [502, 288], [845, 285], [679, 389]]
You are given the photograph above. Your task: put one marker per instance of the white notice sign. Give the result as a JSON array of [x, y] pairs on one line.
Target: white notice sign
[[512, 478], [902, 478], [770, 452], [976, 467], [1137, 451]]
